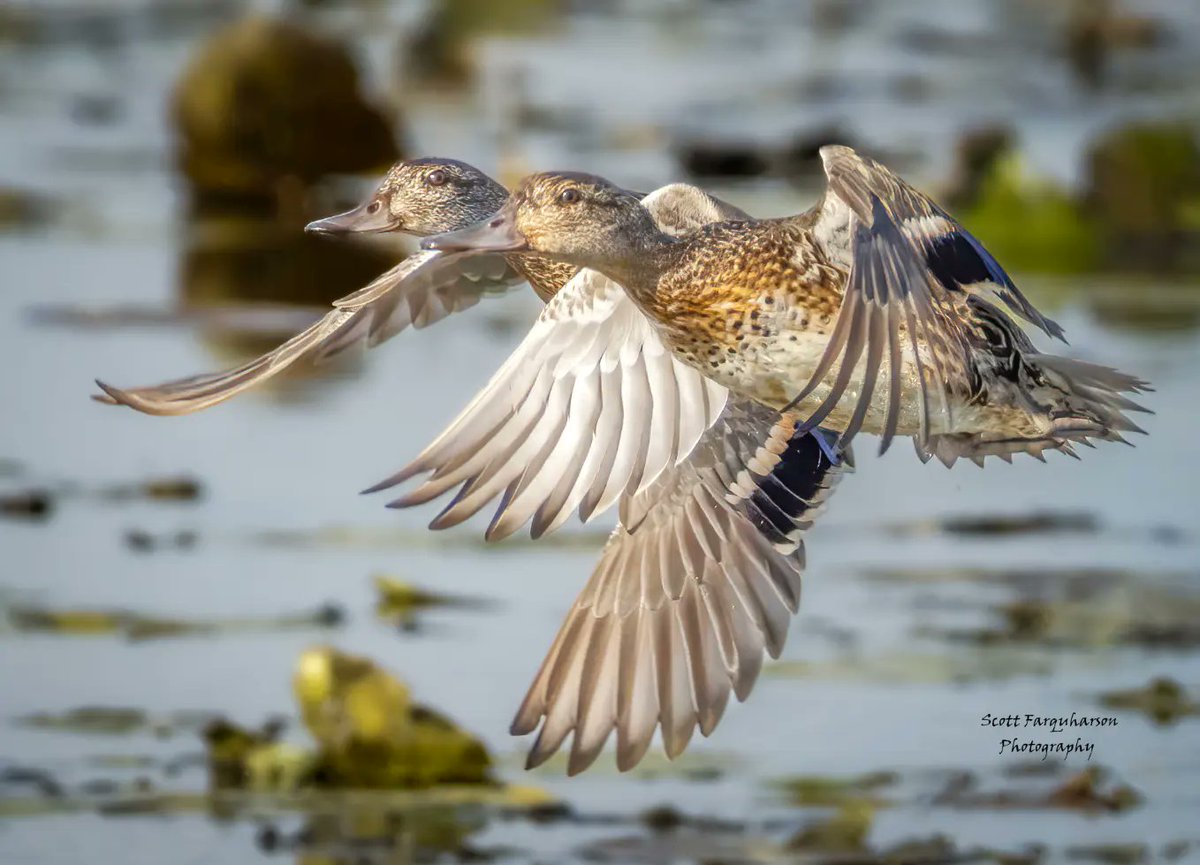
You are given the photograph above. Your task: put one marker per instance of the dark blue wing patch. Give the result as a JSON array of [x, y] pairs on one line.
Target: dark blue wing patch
[[794, 484], [957, 259]]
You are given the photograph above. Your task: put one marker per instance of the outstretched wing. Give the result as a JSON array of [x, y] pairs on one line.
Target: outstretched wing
[[699, 579], [421, 290], [591, 405], [909, 266], [954, 257]]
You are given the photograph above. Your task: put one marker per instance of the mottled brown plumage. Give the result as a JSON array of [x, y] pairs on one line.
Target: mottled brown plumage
[[544, 275], [872, 311]]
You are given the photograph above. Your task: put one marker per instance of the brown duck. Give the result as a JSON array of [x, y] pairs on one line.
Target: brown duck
[[874, 311], [702, 574]]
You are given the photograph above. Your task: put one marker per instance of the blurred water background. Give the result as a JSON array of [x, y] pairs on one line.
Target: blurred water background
[[161, 579]]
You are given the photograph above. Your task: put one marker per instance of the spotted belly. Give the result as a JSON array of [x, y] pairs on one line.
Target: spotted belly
[[774, 371]]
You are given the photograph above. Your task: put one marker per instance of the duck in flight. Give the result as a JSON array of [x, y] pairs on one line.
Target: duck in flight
[[872, 311], [702, 574]]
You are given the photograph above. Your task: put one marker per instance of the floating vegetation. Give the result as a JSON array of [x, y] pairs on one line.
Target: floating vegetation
[[244, 759], [1088, 791], [1110, 854], [26, 778], [23, 209], [844, 832], [169, 488], [1127, 615], [913, 668], [142, 541], [1071, 608], [116, 721], [1164, 701], [399, 603], [139, 626], [35, 504], [396, 538], [1003, 525], [817, 790], [39, 503]]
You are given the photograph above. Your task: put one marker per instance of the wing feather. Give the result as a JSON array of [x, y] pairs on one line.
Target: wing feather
[[590, 406], [422, 289], [695, 590]]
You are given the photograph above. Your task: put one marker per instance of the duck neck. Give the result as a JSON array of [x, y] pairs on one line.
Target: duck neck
[[639, 268]]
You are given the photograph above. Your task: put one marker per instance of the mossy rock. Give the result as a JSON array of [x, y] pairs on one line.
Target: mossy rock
[[370, 734], [1031, 225], [1143, 188], [264, 102]]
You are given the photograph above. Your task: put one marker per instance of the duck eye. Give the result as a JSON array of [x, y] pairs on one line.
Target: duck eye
[[373, 207], [436, 177], [570, 195]]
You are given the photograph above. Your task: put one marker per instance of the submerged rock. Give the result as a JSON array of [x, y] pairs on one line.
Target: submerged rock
[[369, 733], [266, 106]]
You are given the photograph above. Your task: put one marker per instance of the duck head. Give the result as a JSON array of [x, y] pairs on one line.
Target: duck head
[[578, 218], [421, 197]]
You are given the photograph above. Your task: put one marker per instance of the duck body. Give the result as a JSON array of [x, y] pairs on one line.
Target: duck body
[[752, 305], [702, 574], [872, 311]]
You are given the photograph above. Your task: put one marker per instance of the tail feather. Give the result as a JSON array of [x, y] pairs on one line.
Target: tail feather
[[1085, 402]]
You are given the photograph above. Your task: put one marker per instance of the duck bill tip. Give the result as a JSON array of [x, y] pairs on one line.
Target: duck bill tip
[[360, 220], [494, 235]]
